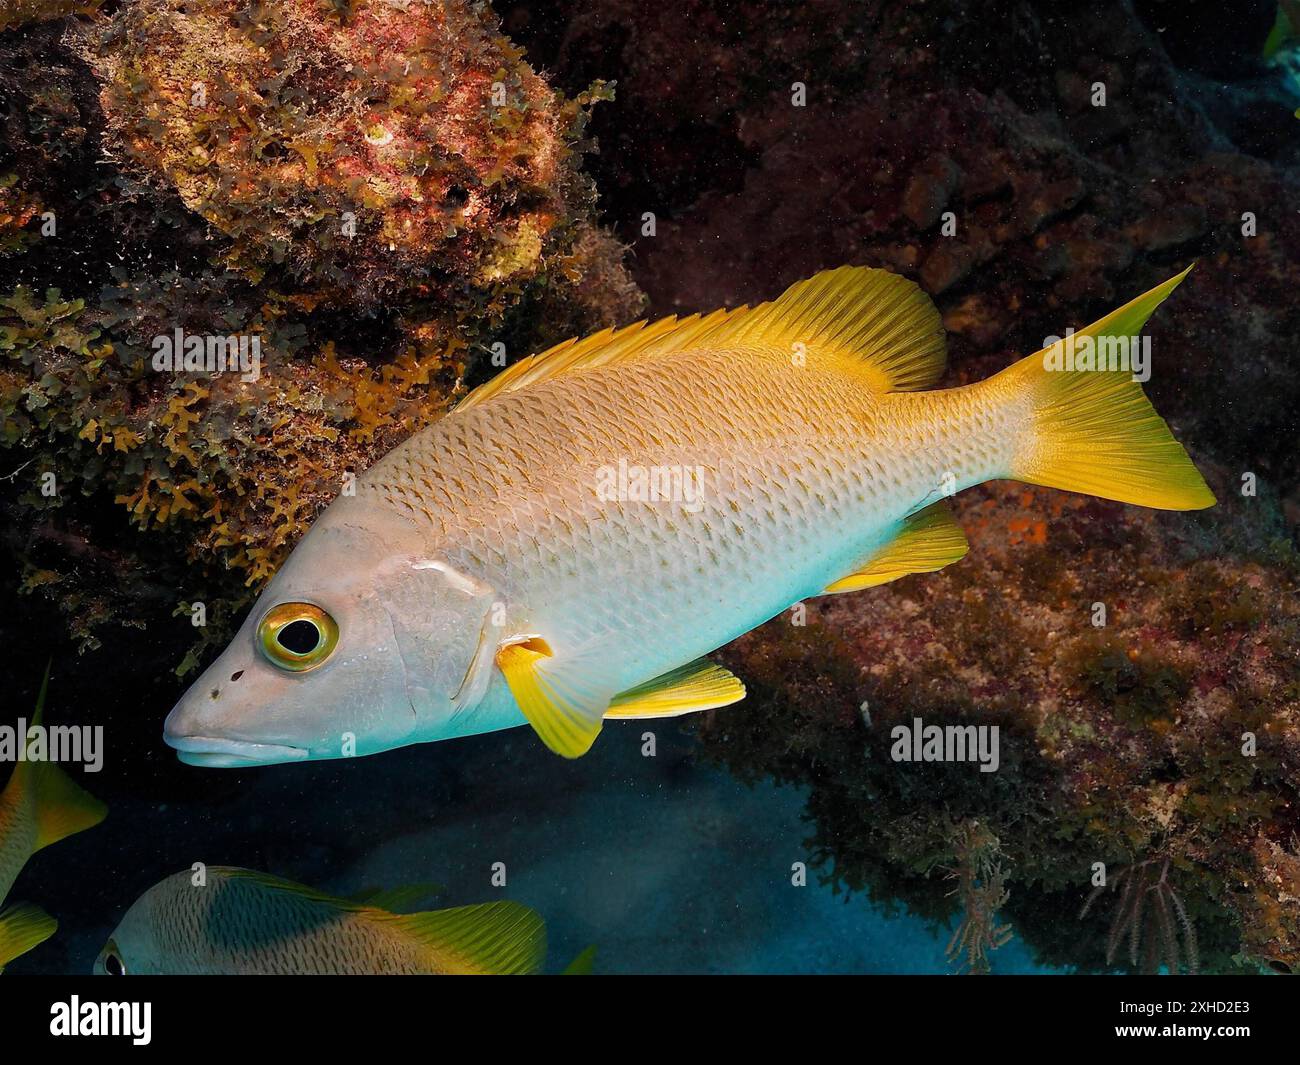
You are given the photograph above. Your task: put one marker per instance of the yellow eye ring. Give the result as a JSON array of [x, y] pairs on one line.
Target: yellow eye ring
[[297, 636]]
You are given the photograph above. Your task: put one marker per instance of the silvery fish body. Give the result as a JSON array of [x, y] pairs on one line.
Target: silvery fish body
[[228, 921], [572, 539]]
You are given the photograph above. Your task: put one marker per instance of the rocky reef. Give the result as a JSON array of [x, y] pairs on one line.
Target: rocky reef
[[379, 192], [249, 247]]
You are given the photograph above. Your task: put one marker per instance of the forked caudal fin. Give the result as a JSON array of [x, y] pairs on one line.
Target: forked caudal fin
[[1093, 430]]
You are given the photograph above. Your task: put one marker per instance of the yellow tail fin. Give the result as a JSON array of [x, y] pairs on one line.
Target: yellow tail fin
[[1093, 430]]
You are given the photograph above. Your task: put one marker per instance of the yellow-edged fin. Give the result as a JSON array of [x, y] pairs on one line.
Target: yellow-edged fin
[[1095, 431], [698, 685], [875, 321], [929, 540], [566, 716], [880, 322], [490, 939], [601, 349], [22, 927], [62, 806]]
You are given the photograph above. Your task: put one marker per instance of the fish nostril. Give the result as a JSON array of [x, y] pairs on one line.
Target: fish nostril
[[214, 693], [236, 675]]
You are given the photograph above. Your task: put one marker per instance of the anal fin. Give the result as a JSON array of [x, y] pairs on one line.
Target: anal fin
[[929, 540], [698, 685]]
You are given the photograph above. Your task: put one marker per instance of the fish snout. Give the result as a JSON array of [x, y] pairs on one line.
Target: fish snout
[[204, 730]]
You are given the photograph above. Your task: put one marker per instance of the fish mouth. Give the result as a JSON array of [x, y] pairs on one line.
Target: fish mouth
[[231, 754]]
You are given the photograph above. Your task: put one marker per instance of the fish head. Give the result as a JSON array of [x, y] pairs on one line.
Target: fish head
[[361, 643], [135, 947]]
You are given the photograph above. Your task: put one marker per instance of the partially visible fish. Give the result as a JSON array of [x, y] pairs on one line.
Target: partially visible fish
[[240, 922], [40, 805], [567, 543]]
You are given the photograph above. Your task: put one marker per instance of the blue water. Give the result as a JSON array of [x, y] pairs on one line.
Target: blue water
[[666, 864]]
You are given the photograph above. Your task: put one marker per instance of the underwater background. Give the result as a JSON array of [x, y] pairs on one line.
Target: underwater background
[[1031, 166]]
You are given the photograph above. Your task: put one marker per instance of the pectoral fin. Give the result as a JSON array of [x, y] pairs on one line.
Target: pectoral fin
[[565, 713], [698, 685], [929, 540]]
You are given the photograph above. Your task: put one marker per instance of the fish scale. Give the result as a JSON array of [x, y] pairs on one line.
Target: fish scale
[[480, 577], [803, 471], [241, 922], [233, 925]]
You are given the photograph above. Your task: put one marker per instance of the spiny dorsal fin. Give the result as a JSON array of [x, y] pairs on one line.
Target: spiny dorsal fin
[[698, 685], [873, 319], [601, 349], [400, 899], [491, 938], [929, 540], [276, 883]]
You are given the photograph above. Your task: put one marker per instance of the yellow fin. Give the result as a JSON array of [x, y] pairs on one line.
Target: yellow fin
[[698, 685], [877, 321], [565, 715], [929, 540], [1095, 431], [492, 938], [63, 807], [23, 927], [601, 349]]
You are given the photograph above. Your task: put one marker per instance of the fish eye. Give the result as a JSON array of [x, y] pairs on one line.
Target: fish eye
[[297, 636], [113, 963]]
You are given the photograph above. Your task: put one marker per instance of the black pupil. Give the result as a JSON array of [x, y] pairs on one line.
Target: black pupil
[[300, 637], [113, 965]]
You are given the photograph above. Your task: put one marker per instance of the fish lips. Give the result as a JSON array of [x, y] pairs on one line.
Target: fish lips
[[215, 753]]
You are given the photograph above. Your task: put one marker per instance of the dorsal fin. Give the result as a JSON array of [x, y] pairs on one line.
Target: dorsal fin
[[601, 349], [491, 938], [873, 319]]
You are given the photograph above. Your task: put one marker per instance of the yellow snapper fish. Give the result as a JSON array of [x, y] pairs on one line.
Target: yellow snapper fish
[[508, 564], [40, 805], [240, 922]]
